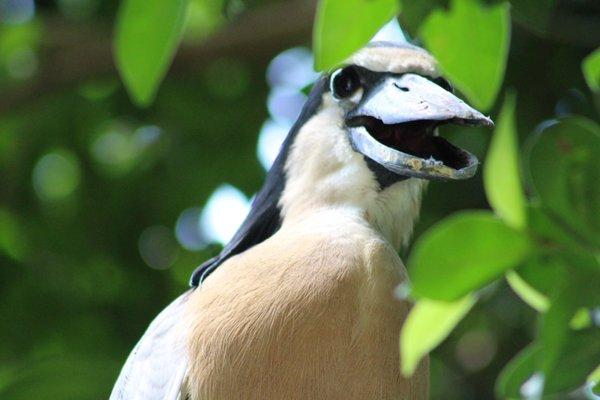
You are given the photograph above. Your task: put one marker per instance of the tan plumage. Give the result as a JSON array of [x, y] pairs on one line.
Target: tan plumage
[[310, 313], [320, 323], [307, 312]]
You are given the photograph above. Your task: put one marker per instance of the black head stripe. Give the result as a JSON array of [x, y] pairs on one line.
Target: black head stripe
[[264, 218]]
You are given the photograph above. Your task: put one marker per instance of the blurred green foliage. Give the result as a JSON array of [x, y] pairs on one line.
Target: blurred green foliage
[[148, 33], [470, 29], [88, 180], [342, 27]]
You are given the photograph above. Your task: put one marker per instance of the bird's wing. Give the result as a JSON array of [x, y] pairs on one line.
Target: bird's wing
[[157, 365]]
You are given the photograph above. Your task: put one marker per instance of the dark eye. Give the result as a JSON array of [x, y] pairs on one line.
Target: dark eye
[[444, 84], [344, 82]]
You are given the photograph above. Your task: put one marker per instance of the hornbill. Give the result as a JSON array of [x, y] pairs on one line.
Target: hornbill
[[300, 305]]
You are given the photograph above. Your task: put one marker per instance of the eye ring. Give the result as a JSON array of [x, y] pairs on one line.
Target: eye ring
[[344, 82]]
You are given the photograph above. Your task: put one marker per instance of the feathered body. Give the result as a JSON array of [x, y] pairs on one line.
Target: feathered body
[[301, 305], [309, 313]]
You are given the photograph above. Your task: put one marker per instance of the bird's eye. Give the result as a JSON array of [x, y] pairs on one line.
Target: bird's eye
[[344, 82], [444, 84]]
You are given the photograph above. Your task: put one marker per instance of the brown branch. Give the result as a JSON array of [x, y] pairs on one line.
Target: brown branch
[[74, 53]]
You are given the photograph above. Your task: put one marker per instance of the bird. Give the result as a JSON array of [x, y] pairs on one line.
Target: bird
[[300, 303]]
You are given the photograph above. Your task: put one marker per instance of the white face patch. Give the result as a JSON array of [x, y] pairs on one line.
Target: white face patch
[[324, 172]]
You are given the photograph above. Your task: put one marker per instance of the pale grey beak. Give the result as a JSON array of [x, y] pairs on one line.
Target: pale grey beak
[[395, 126]]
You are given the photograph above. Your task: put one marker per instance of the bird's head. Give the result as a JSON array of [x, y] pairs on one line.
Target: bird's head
[[366, 141], [375, 126], [392, 98]]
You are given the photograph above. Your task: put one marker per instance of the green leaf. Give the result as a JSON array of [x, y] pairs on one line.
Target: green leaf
[[543, 273], [578, 358], [550, 231], [578, 289], [427, 325], [501, 175], [517, 372], [564, 173], [147, 35], [591, 70], [555, 325], [526, 292], [415, 12], [471, 44], [594, 379], [463, 253], [344, 26]]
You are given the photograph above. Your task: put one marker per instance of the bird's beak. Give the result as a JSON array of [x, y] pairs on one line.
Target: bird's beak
[[395, 125]]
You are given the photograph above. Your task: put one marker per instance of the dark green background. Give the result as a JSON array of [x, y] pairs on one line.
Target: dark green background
[[75, 294]]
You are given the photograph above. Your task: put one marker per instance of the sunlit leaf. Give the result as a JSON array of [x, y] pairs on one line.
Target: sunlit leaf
[[463, 253], [415, 12], [594, 378], [591, 70], [501, 174], [563, 170], [147, 35], [537, 279], [581, 320], [344, 26], [427, 325], [471, 43]]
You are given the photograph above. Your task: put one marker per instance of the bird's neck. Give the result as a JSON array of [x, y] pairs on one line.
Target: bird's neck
[[324, 174]]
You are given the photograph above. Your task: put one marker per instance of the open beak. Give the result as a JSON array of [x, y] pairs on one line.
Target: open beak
[[395, 126]]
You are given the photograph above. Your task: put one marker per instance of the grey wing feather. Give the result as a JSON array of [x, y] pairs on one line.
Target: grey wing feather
[[156, 368]]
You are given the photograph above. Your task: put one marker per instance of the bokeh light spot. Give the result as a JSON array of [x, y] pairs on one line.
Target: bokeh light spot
[[476, 349], [22, 64], [56, 175], [114, 149], [16, 11], [271, 136], [145, 136], [157, 247], [225, 210], [202, 18], [533, 387], [292, 69], [119, 148], [187, 229], [285, 104]]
